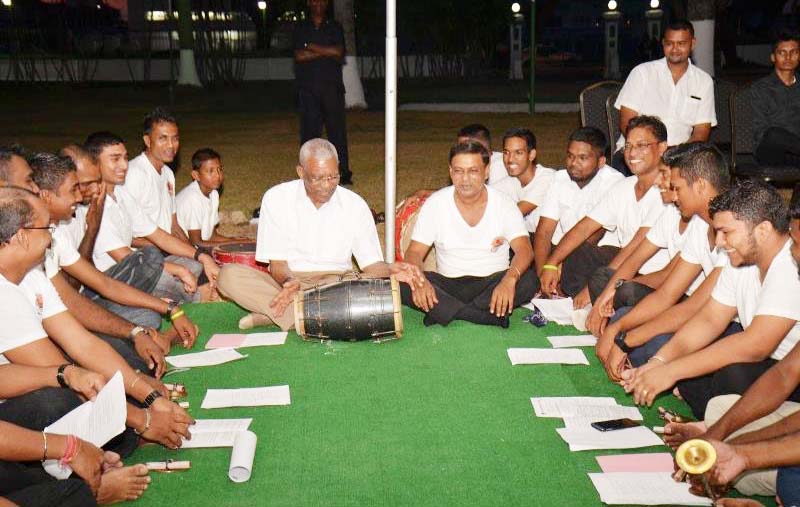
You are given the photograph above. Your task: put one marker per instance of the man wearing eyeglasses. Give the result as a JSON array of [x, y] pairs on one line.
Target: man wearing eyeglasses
[[671, 88], [310, 229], [776, 106]]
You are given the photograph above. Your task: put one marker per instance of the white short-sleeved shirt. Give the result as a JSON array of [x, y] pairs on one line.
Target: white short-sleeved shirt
[[23, 307], [123, 220], [534, 192], [568, 204], [291, 228], [462, 250], [497, 169], [154, 191], [666, 235], [195, 211], [650, 90], [696, 250], [622, 215], [777, 296]]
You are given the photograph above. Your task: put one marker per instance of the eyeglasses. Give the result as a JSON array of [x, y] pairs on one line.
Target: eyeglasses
[[50, 228], [639, 147], [318, 180]]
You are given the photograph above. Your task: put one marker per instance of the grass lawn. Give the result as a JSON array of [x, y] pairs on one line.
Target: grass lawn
[[256, 132]]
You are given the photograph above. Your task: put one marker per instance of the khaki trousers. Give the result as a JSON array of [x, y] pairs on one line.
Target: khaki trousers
[[254, 290], [755, 482]]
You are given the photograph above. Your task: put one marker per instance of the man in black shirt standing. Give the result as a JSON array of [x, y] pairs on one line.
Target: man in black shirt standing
[[318, 57], [776, 106]]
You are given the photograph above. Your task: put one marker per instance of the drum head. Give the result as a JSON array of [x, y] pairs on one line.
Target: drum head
[[398, 308]]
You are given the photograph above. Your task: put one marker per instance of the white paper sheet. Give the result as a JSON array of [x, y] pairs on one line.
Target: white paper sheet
[[215, 432], [584, 439], [95, 421], [205, 358], [242, 455], [603, 408], [556, 310], [584, 340], [219, 341], [247, 397], [547, 356], [643, 488]]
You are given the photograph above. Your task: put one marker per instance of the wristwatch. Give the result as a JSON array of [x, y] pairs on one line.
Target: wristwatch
[[151, 398], [136, 330], [619, 341], [619, 283], [171, 306], [60, 375]]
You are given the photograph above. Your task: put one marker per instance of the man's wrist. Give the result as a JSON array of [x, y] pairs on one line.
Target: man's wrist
[[619, 341], [134, 332]]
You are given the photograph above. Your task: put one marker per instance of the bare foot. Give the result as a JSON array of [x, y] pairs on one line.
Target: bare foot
[[737, 502], [676, 393], [111, 460], [208, 293], [677, 433], [120, 484]]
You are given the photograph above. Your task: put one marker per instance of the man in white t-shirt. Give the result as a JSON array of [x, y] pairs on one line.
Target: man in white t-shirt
[[759, 287], [575, 190], [527, 182], [626, 212], [473, 228], [698, 174], [39, 331], [197, 205], [673, 89], [123, 220], [309, 231]]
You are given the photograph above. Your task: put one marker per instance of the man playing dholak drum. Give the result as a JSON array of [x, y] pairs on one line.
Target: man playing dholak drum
[[309, 230], [472, 226]]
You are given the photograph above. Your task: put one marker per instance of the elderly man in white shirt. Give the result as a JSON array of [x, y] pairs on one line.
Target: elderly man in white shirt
[[673, 89], [310, 229]]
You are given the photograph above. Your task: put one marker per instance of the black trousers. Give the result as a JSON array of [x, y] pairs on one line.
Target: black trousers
[[468, 297], [629, 294], [733, 379], [323, 104], [581, 264], [778, 147], [28, 485]]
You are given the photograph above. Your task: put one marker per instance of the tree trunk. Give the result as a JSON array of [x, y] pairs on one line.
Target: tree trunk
[[353, 89], [701, 14], [187, 74]]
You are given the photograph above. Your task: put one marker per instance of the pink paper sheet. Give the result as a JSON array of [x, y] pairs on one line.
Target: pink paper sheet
[[219, 341], [645, 462]]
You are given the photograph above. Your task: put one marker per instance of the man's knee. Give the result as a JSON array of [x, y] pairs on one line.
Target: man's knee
[[228, 279], [718, 406], [598, 281]]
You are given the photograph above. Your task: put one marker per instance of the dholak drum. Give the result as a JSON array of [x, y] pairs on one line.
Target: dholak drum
[[350, 310], [238, 253], [405, 218]]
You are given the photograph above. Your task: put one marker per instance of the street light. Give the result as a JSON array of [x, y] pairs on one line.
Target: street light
[[612, 5], [262, 6], [515, 8], [654, 4], [7, 3]]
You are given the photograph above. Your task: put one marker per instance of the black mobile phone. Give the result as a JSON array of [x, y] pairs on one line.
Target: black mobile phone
[[615, 424]]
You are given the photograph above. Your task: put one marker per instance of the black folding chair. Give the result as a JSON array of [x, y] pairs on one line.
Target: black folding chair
[[593, 106]]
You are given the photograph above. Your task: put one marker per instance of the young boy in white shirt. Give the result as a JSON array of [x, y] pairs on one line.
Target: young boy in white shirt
[[197, 205]]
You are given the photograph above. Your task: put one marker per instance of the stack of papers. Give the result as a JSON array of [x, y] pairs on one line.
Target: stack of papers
[[588, 407], [215, 432], [555, 310], [247, 397], [646, 488], [559, 342], [547, 356], [207, 358], [588, 438], [223, 341]]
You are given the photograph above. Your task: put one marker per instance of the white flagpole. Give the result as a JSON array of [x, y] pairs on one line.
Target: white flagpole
[[390, 160]]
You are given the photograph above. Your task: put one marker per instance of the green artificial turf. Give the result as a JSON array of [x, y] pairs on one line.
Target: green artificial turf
[[439, 417]]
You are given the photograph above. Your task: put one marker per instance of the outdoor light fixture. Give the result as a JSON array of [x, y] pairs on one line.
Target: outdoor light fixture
[[7, 3], [263, 5], [612, 5], [654, 4], [515, 7]]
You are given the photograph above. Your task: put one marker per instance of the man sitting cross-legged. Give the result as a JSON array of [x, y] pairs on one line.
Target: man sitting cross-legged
[[309, 231], [197, 205], [627, 212], [698, 175], [38, 331], [58, 187], [123, 220], [472, 227], [33, 398], [759, 286]]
